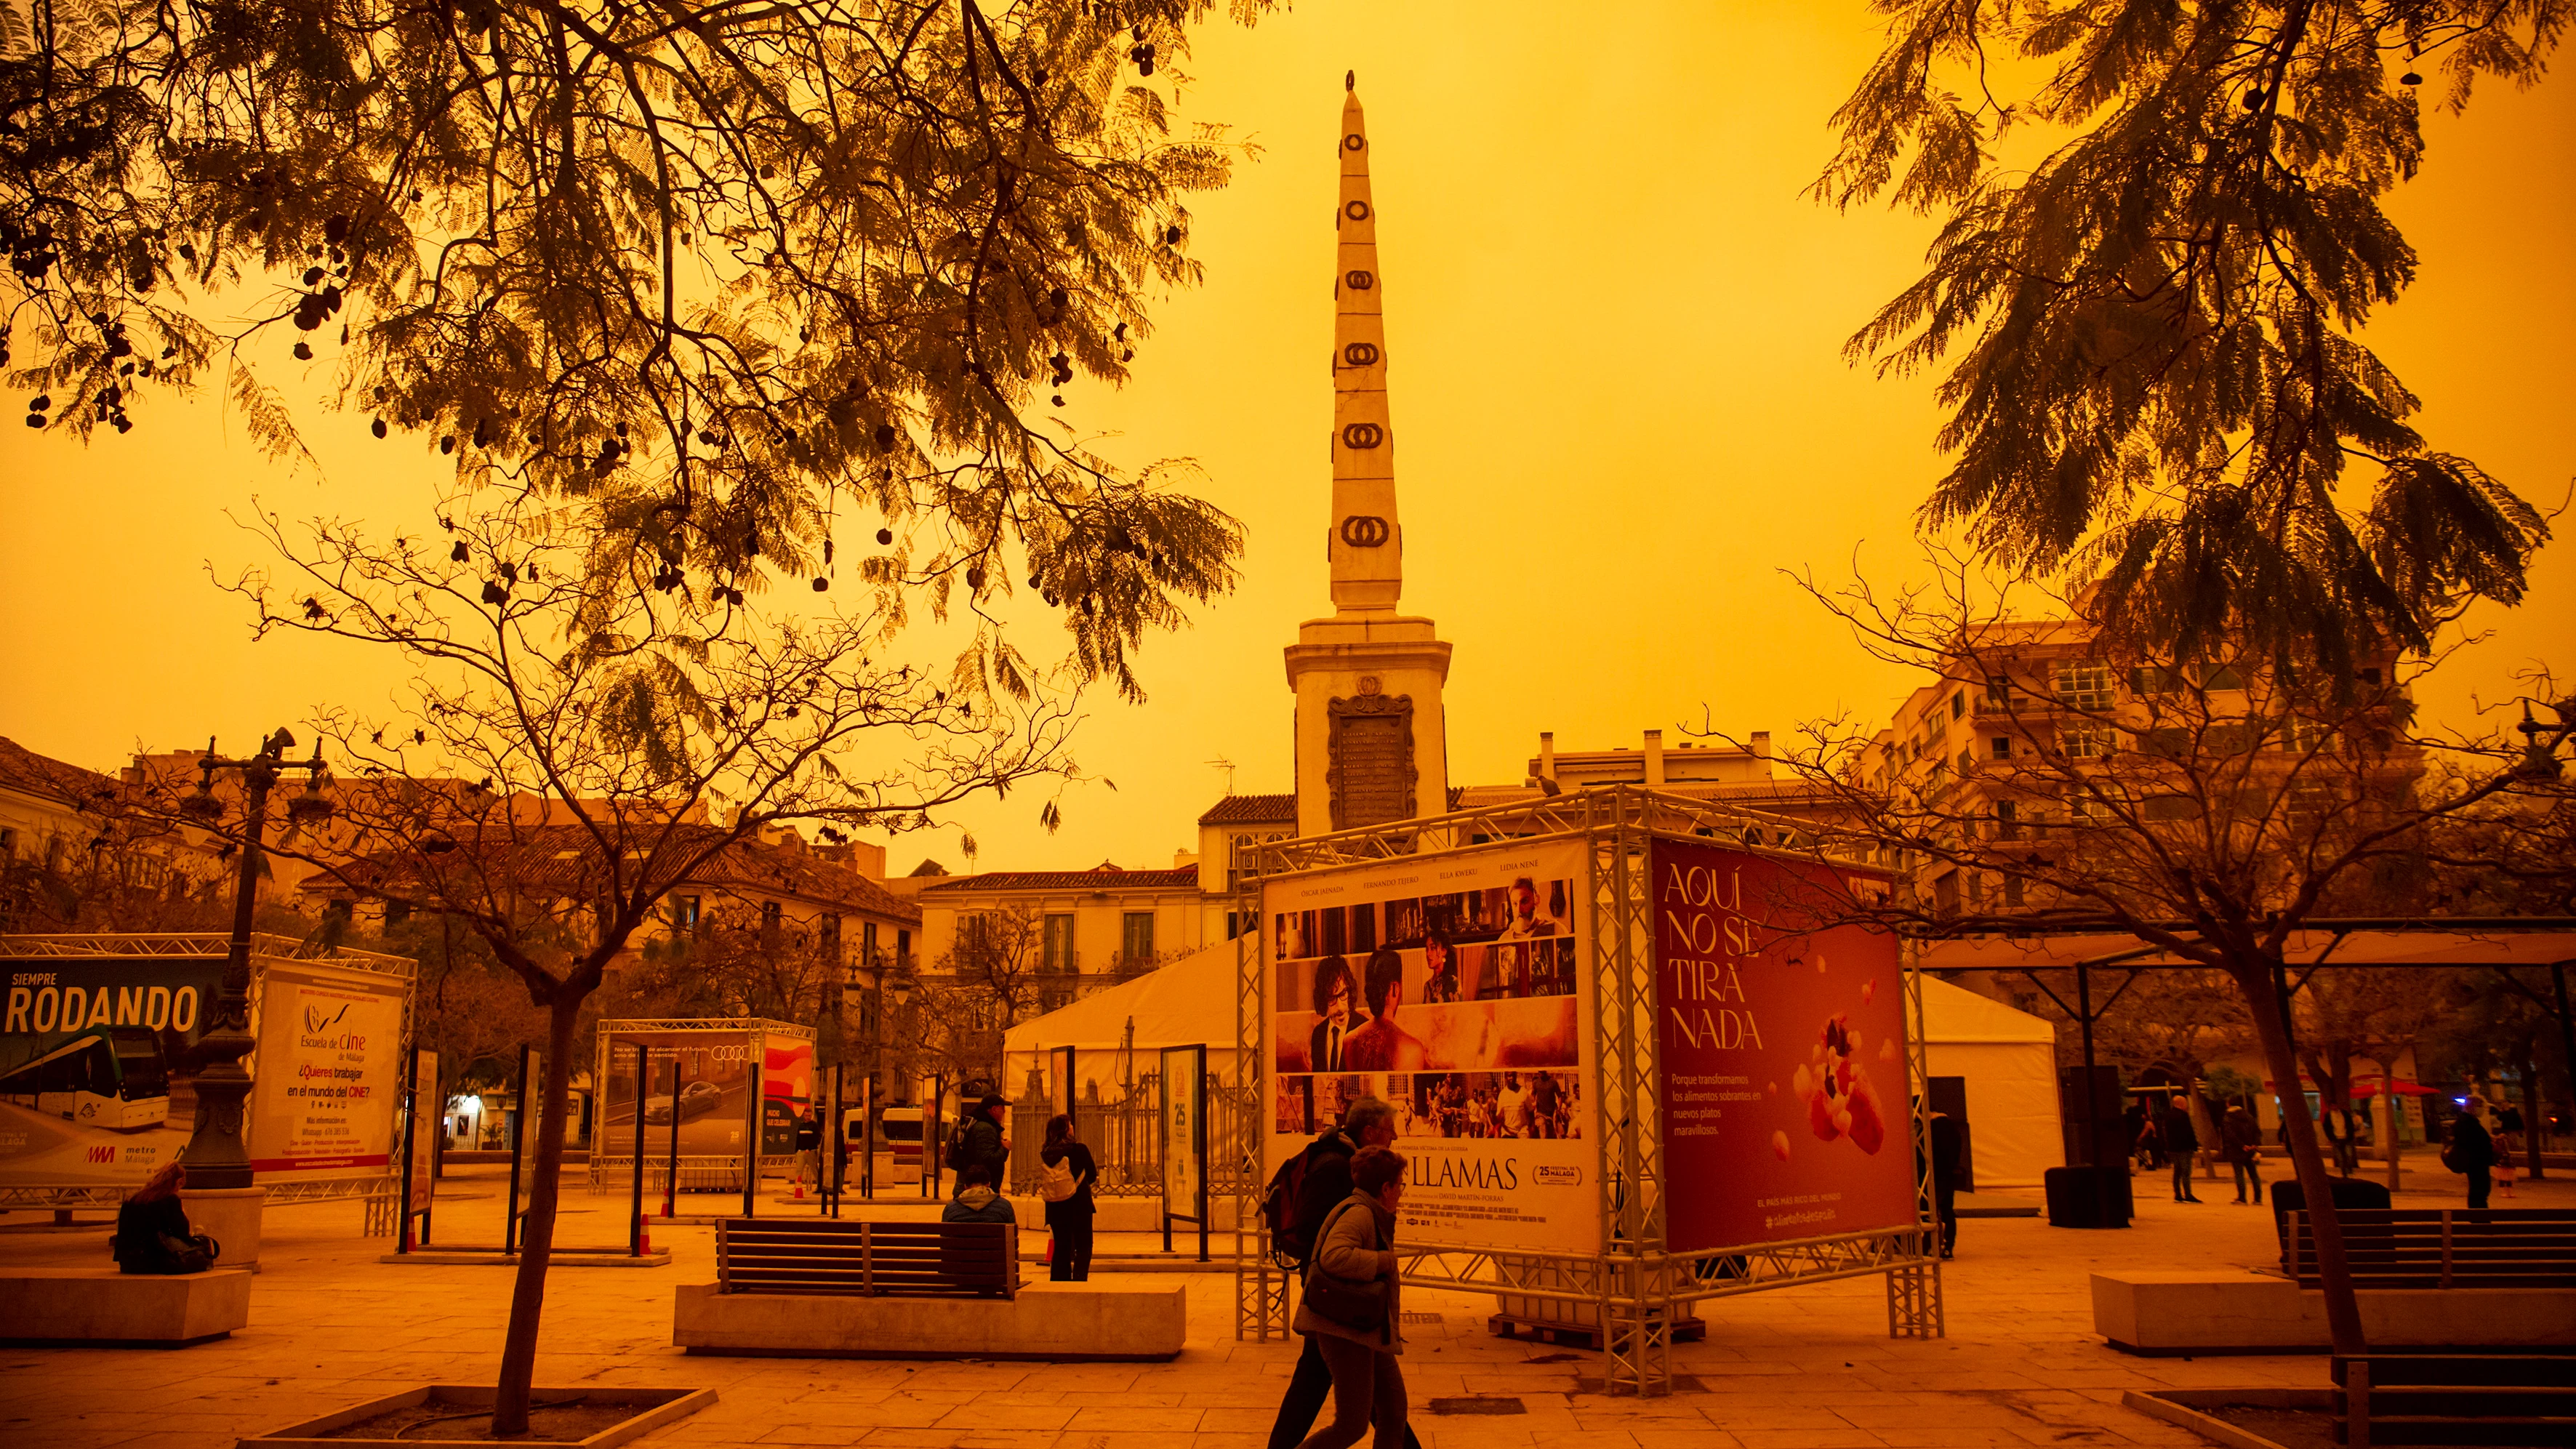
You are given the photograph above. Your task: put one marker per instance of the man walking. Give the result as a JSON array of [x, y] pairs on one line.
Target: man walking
[[2242, 1138], [2182, 1144], [1370, 1122], [2472, 1152]]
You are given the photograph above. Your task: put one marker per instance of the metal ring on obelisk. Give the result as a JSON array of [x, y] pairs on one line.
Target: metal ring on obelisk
[[1364, 530], [1356, 211], [1363, 435], [1360, 354], [1354, 143], [1358, 281]]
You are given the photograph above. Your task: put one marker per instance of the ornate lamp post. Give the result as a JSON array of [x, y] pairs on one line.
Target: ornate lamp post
[[215, 1155]]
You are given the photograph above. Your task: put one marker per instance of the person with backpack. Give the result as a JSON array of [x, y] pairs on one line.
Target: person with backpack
[[1301, 1195], [1353, 1307], [2471, 1152], [1066, 1173], [981, 1143]]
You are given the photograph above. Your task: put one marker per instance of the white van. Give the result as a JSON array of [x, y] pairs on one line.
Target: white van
[[898, 1143]]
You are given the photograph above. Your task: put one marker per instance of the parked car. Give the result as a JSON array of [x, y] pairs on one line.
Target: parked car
[[697, 1099]]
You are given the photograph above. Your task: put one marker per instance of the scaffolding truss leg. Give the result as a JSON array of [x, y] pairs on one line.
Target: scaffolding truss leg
[[1914, 1301]]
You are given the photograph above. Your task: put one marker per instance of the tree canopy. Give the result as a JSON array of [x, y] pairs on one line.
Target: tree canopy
[[2159, 382], [737, 274]]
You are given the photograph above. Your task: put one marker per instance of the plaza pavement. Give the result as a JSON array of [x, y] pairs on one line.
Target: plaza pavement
[[1801, 1368]]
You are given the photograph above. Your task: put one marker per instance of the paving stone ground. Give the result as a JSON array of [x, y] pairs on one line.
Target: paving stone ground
[[1802, 1368]]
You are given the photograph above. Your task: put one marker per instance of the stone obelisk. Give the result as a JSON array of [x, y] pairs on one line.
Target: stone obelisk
[[1372, 737]]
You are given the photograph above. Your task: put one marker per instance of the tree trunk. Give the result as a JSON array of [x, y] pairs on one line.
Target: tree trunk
[[2334, 1268], [537, 1235]]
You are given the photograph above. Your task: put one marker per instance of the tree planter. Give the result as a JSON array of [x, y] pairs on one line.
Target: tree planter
[[652, 1408]]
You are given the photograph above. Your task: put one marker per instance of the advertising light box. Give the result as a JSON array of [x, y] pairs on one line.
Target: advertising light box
[[1782, 1057], [1451, 987]]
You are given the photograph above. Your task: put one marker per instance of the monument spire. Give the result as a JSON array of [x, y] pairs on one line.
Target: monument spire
[[1367, 546], [1372, 735]]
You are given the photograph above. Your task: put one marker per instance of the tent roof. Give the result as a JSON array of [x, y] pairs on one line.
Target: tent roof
[[1183, 1002], [1955, 1016]]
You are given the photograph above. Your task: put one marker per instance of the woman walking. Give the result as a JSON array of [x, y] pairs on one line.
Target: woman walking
[[1352, 1308], [1067, 1175]]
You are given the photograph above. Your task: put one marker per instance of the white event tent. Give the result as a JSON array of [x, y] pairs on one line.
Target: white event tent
[[1185, 1002], [2009, 1059]]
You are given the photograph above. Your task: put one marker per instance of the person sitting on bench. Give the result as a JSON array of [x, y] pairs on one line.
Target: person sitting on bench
[[152, 1230], [976, 1202]]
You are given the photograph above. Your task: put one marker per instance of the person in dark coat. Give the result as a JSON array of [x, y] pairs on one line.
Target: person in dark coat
[[976, 1202], [1069, 1221], [985, 1146], [2182, 1144], [2473, 1152], [152, 1232], [2241, 1138], [1370, 1122], [2141, 1132], [1946, 1164]]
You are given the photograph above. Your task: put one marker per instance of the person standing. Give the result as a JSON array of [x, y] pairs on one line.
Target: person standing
[[1357, 1246], [2241, 1137], [2181, 1142], [1068, 1218], [2472, 1153], [984, 1144], [1544, 1103], [1947, 1152], [1369, 1123]]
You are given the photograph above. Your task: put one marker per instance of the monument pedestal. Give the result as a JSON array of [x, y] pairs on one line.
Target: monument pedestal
[[1372, 736], [231, 1216]]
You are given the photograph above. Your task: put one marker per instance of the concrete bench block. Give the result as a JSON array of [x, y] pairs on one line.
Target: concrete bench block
[[1048, 1321], [2200, 1311], [104, 1308]]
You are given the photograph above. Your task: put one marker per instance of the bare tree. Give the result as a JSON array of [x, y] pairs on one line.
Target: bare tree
[[2200, 803], [579, 742]]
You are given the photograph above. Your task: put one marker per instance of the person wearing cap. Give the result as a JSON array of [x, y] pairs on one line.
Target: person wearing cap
[[986, 1145]]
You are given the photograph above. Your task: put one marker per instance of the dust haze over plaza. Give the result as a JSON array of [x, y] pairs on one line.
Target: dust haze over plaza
[[1606, 493]]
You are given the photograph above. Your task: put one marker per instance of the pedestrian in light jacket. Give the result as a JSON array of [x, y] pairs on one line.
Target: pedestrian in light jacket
[[1358, 1245]]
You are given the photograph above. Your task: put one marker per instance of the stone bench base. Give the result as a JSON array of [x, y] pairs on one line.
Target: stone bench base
[[2184, 1311], [1048, 1321], [102, 1308]]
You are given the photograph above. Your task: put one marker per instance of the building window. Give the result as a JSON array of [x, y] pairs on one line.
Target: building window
[[868, 943], [397, 912], [8, 843], [684, 912], [1998, 692], [903, 950], [1058, 944], [1945, 893], [2084, 684], [1958, 704], [2003, 747], [1136, 938], [831, 934], [2012, 891], [2007, 820], [2087, 740]]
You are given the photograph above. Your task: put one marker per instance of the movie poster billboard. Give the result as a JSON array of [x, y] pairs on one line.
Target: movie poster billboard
[[1781, 1051], [329, 1074], [89, 1048], [700, 1081], [1451, 987]]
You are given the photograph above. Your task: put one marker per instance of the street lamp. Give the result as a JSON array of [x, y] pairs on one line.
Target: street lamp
[[215, 1155], [2539, 762]]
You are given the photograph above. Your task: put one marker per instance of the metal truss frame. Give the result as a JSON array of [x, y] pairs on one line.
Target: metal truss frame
[[1637, 1288]]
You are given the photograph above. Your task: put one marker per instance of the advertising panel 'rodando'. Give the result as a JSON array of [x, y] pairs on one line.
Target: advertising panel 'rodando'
[[87, 1048], [1451, 987], [1782, 1055]]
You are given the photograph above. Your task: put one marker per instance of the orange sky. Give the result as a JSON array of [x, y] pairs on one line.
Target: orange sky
[[1614, 330]]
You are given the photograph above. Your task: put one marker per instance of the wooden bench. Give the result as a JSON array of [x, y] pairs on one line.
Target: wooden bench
[[868, 1259], [2442, 1248], [2455, 1398], [817, 1288]]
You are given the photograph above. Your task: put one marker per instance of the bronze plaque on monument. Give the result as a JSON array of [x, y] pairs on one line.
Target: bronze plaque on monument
[[1371, 771]]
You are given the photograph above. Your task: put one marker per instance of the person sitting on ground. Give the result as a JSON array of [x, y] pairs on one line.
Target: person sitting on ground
[[976, 1202], [152, 1233]]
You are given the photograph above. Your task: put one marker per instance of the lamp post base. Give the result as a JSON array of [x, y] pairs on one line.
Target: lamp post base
[[231, 1216]]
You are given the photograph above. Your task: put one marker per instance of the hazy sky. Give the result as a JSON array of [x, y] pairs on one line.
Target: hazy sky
[[1614, 330]]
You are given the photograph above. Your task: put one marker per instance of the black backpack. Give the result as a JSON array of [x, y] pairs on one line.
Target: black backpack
[[1291, 1238]]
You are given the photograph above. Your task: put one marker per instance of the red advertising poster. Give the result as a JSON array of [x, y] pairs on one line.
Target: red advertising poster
[[1782, 1055]]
